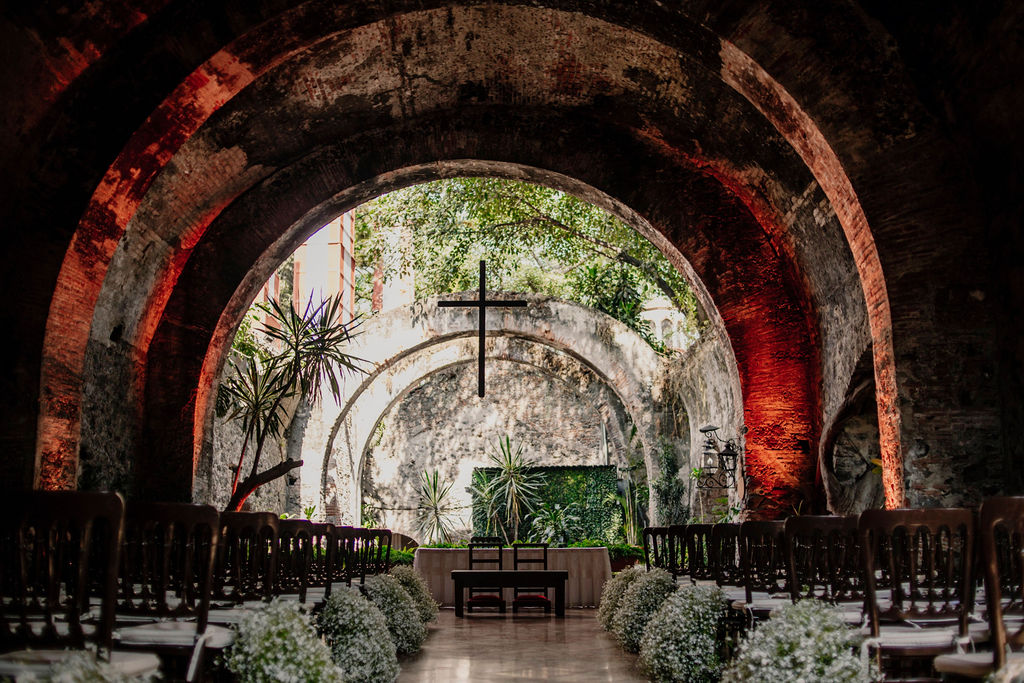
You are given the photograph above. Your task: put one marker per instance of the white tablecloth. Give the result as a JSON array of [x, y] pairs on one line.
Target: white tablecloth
[[588, 569]]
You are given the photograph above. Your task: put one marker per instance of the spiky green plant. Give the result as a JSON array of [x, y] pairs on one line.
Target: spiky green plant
[[310, 353], [434, 511], [515, 486]]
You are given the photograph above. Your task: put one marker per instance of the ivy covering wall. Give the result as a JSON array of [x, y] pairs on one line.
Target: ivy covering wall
[[587, 490]]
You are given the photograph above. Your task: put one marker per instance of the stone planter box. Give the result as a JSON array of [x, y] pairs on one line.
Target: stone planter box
[[588, 569]]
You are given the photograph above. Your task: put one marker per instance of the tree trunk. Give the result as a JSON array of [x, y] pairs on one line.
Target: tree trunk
[[253, 482]]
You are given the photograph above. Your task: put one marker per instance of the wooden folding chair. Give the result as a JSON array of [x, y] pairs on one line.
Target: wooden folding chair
[[245, 565], [925, 557], [658, 548], [57, 551], [1001, 540], [166, 579], [765, 574], [726, 561], [697, 551], [322, 567], [294, 558], [824, 562]]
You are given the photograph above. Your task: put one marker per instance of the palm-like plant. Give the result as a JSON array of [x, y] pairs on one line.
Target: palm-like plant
[[434, 512], [555, 523], [310, 353], [514, 487]]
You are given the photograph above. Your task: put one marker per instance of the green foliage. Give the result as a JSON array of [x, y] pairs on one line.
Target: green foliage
[[534, 239], [356, 632], [309, 354], [554, 523], [670, 491], [616, 551], [399, 610], [402, 557], [277, 643], [619, 291], [508, 491], [585, 488], [682, 643], [369, 516], [434, 512], [639, 602], [612, 592], [417, 589]]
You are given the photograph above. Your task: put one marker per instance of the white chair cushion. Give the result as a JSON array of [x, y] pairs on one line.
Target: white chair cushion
[[971, 664], [28, 664], [174, 633], [227, 616], [908, 636]]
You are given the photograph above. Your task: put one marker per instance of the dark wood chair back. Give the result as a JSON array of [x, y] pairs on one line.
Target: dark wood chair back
[[322, 570], [344, 557], [486, 555], [824, 559], [529, 556], [167, 561], [926, 557], [246, 557], [658, 548], [677, 550], [725, 554], [56, 549], [697, 542], [763, 557], [1001, 536], [373, 547], [294, 557]]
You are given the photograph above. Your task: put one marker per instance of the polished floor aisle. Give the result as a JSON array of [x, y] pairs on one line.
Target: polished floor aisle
[[531, 647]]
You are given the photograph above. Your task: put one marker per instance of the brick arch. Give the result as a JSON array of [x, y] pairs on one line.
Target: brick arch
[[772, 331]]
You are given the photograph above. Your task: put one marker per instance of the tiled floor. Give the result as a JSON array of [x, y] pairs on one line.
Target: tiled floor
[[531, 647]]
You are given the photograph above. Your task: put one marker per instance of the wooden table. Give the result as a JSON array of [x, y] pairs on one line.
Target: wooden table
[[588, 570], [510, 578]]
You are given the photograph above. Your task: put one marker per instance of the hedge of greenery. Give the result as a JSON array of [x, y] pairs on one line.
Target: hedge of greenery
[[587, 488]]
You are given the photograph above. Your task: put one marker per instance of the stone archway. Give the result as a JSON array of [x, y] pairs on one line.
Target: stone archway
[[412, 342], [752, 228]]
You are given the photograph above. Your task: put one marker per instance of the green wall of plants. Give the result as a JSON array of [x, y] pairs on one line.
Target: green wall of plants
[[588, 489]]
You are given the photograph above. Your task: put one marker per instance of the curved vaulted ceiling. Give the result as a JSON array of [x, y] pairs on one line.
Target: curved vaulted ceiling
[[746, 141]]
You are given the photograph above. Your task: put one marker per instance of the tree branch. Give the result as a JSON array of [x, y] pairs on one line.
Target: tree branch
[[620, 255], [253, 482]]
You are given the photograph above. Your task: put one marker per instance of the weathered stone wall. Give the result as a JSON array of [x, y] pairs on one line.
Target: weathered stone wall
[[442, 424], [260, 120]]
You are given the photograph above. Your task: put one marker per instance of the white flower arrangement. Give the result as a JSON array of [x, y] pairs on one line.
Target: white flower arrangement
[[417, 589], [805, 641], [277, 644], [681, 642], [407, 631], [357, 635], [642, 599], [611, 594]]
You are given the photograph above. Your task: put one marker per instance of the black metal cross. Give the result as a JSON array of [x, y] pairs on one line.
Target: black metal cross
[[482, 304]]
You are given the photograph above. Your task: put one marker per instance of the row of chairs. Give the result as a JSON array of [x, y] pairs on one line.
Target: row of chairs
[[487, 552], [131, 582], [910, 578]]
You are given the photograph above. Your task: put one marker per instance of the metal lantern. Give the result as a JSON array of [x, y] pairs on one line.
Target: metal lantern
[[723, 474]]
